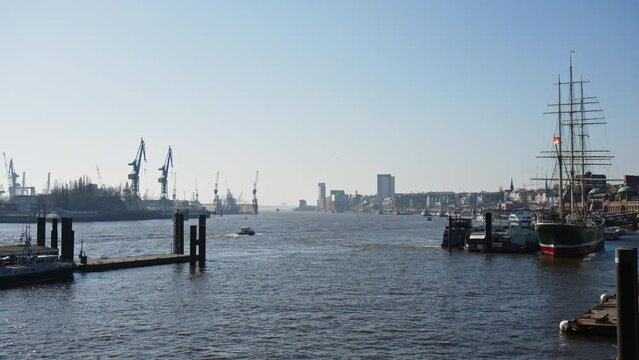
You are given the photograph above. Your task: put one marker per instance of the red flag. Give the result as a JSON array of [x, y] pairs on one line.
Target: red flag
[[556, 140]]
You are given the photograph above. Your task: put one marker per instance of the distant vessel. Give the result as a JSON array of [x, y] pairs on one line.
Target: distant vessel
[[22, 267], [579, 231], [246, 231]]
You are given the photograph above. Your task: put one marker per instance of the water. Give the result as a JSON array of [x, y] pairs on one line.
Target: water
[[307, 285]]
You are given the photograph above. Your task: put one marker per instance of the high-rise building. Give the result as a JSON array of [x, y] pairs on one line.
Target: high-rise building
[[321, 197], [385, 186]]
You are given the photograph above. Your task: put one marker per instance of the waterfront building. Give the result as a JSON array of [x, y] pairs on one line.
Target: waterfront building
[[321, 198], [340, 202], [385, 186]]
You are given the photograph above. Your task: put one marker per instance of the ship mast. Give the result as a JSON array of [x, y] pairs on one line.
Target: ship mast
[[572, 144], [560, 158], [582, 143], [579, 117]]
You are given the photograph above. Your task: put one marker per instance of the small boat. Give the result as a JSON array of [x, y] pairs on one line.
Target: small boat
[[429, 218], [246, 231], [613, 232], [26, 267]]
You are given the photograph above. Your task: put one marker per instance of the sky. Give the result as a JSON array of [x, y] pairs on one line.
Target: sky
[[444, 95]]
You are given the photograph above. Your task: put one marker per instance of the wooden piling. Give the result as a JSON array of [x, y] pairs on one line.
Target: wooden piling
[[41, 226], [193, 247], [202, 241], [627, 321], [54, 233], [450, 232], [181, 234], [488, 244], [176, 227], [67, 239], [178, 232]]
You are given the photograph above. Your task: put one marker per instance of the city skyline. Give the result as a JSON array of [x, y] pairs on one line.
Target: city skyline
[[446, 96]]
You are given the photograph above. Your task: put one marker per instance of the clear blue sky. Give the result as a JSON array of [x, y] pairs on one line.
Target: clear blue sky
[[445, 95]]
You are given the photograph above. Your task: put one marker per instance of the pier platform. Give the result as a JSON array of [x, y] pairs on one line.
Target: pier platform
[[15, 250], [598, 321], [131, 262]]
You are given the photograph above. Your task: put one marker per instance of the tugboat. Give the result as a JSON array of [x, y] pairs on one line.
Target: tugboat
[[27, 268], [246, 231]]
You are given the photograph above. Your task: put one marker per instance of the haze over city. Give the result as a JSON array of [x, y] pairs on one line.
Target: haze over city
[[446, 96]]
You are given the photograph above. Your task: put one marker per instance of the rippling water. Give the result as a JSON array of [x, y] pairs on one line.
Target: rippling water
[[307, 285]]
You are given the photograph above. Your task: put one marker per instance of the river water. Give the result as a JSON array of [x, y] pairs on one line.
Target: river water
[[307, 285]]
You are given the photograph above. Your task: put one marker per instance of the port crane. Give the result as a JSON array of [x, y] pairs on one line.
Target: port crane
[[174, 187], [216, 198], [255, 193], [47, 187], [134, 176], [164, 177], [12, 177], [99, 177]]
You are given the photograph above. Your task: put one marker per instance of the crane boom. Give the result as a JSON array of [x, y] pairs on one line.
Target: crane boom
[[12, 177], [134, 176], [99, 177], [216, 198], [164, 177], [255, 192], [6, 169]]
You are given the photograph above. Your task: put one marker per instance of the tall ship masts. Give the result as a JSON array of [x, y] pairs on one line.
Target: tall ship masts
[[580, 231]]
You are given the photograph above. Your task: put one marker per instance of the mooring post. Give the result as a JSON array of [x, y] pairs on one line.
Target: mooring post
[[626, 264], [193, 247], [181, 235], [488, 239], [176, 227], [67, 239], [40, 230], [450, 232], [202, 241], [54, 233]]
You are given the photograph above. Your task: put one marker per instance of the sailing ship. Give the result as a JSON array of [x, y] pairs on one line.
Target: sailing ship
[[573, 230]]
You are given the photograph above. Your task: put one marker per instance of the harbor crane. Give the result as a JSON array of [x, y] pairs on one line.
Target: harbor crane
[[164, 177], [134, 176], [12, 177], [47, 187], [255, 193], [174, 187], [216, 198], [99, 177]]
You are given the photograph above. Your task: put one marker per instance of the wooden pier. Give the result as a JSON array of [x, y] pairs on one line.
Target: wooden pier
[[131, 262], [601, 320]]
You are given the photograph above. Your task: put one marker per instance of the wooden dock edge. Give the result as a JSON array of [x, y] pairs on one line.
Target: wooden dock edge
[[600, 321], [131, 262]]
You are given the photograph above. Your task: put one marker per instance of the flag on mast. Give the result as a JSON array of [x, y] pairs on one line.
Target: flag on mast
[[556, 140]]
